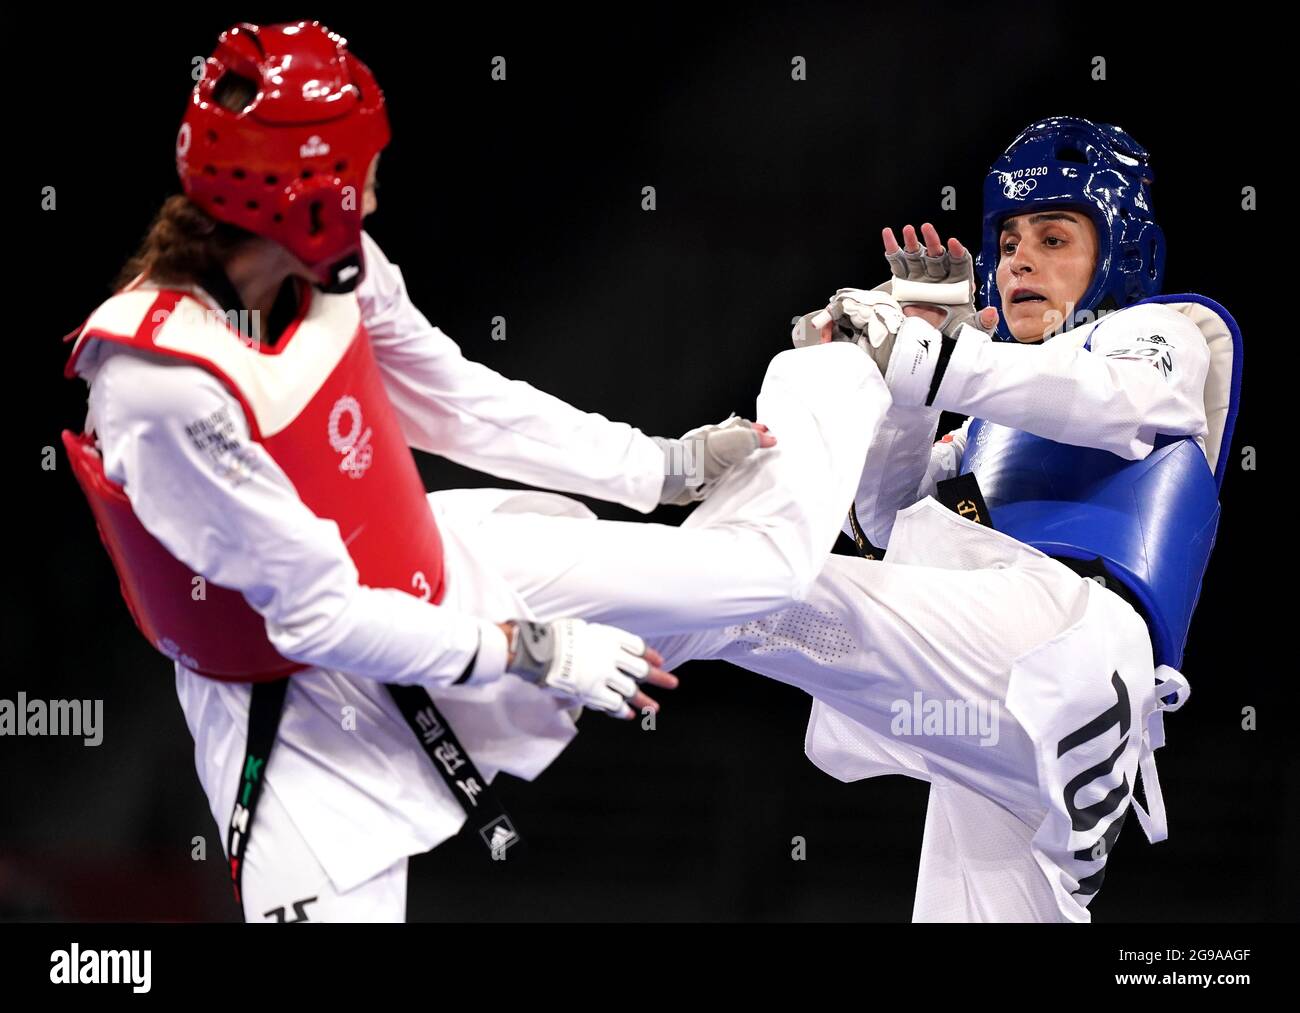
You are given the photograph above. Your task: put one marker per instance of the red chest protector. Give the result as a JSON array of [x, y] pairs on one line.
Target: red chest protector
[[318, 406]]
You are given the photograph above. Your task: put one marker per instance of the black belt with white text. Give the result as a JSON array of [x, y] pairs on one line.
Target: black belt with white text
[[483, 810]]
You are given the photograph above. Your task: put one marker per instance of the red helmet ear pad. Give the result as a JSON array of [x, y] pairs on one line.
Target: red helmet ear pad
[[291, 164]]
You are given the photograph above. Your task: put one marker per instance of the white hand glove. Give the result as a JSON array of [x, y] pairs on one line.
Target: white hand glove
[[869, 317], [598, 665], [694, 463], [872, 313]]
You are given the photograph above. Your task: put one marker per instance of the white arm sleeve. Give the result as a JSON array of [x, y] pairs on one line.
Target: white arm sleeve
[[895, 466], [222, 506], [903, 466], [472, 415], [1144, 376]]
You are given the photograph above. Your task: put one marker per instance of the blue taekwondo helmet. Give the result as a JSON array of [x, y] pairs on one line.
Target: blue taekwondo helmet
[[1070, 162]]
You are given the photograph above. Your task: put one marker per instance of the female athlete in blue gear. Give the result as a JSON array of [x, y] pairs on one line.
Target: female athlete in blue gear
[[1017, 636]]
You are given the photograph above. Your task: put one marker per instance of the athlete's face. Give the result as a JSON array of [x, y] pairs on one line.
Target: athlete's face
[[1046, 263]]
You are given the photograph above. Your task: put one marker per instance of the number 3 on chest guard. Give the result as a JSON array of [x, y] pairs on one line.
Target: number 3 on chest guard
[[421, 585]]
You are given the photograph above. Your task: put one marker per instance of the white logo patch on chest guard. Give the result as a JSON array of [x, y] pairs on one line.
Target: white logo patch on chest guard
[[354, 441]]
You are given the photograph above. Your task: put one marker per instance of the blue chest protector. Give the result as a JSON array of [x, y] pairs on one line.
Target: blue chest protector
[[1151, 523]]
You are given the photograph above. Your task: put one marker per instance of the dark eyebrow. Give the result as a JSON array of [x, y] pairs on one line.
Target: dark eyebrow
[[1046, 216]]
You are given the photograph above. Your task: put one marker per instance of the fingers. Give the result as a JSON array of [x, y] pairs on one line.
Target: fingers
[[630, 642], [645, 665], [933, 247], [725, 448], [613, 702], [897, 264], [908, 262], [621, 684], [640, 700], [765, 438], [936, 258], [621, 695], [894, 254], [657, 676], [905, 260], [662, 678], [633, 665]]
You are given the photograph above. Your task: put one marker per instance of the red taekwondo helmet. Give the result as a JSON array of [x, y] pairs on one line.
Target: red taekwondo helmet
[[289, 162]]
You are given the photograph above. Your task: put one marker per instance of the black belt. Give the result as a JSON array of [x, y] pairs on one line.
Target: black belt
[[264, 707], [482, 807], [470, 788], [961, 495]]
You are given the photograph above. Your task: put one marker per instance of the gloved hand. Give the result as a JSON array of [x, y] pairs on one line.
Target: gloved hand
[[939, 278], [869, 317], [599, 666], [694, 463], [932, 282]]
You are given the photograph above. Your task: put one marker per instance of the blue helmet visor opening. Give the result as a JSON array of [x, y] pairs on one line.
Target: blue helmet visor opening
[[1101, 261]]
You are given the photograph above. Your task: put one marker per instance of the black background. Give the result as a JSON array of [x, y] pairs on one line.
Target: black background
[[523, 199]]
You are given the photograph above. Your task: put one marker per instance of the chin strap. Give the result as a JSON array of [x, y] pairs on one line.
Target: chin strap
[[344, 275]]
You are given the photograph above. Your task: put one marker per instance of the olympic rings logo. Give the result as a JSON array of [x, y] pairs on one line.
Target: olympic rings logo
[[1018, 189], [354, 444]]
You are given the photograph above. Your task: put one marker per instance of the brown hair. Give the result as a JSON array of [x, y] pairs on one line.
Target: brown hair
[[184, 243]]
